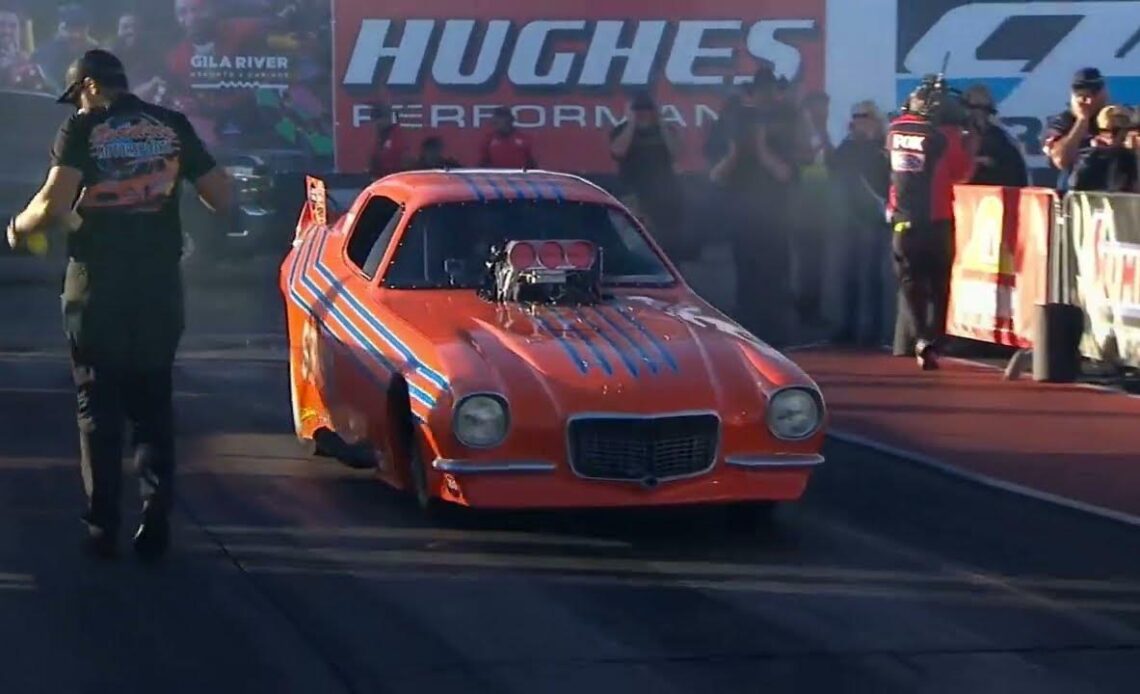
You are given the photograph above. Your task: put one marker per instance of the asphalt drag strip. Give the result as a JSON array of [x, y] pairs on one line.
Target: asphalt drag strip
[[293, 574]]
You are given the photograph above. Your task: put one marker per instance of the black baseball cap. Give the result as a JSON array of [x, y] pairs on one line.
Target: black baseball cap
[[1088, 78], [101, 66]]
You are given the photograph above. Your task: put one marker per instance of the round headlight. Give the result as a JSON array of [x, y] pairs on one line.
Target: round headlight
[[480, 421], [794, 414]]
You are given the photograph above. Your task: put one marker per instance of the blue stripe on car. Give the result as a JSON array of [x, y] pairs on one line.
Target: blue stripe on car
[[627, 313], [514, 184], [345, 325], [602, 361], [636, 345], [472, 186], [621, 351], [576, 358], [495, 187]]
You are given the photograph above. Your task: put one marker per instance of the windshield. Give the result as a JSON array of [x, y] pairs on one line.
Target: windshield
[[446, 246]]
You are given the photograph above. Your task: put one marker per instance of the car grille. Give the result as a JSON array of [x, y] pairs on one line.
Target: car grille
[[643, 449]]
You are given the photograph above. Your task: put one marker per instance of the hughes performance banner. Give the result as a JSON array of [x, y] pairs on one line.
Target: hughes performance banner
[[1104, 231], [1001, 262], [566, 70]]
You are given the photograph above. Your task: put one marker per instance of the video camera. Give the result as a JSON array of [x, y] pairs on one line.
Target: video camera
[[937, 101]]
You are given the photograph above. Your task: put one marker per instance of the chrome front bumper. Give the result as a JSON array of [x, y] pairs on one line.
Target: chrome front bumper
[[775, 461], [522, 467], [515, 467]]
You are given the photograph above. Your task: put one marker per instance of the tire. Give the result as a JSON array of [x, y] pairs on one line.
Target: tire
[[406, 443], [418, 474], [431, 507]]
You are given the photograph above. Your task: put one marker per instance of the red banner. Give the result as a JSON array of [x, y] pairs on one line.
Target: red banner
[[1001, 261], [565, 69]]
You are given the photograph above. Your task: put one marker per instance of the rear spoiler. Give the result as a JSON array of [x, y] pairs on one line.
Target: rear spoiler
[[327, 199], [315, 212]]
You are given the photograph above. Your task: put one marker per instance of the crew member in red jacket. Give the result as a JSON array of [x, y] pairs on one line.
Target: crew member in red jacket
[[929, 155], [390, 153], [506, 147]]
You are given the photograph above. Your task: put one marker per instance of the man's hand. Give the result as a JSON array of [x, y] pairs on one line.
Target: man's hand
[[1083, 110]]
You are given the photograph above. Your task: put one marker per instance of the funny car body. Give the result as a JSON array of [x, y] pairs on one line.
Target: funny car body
[[516, 339]]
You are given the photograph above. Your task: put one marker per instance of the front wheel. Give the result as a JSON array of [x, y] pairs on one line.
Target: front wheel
[[432, 507], [418, 474]]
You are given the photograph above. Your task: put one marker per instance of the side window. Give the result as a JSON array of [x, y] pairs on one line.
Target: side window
[[374, 229], [409, 265]]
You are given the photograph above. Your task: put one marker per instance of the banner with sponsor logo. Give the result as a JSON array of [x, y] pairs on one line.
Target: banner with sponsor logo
[[252, 75], [1104, 233], [565, 70], [1001, 262]]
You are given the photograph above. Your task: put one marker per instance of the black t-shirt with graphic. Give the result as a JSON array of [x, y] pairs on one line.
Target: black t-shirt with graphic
[[133, 157]]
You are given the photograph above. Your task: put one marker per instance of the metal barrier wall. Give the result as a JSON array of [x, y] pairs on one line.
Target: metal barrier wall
[[1099, 251], [1019, 248]]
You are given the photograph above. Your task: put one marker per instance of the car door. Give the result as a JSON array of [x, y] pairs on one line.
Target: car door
[[362, 363]]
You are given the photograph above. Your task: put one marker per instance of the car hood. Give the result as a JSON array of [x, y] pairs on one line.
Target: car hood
[[633, 353]]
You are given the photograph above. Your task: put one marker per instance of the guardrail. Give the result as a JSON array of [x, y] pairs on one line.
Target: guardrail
[[1059, 275]]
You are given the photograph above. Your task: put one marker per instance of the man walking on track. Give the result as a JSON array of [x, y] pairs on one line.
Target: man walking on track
[[928, 156], [123, 160]]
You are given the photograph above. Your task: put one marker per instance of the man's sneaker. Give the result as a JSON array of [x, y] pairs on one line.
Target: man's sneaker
[[926, 356], [153, 537]]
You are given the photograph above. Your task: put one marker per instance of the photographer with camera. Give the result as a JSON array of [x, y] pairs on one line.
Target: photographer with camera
[[1109, 164], [929, 155], [755, 170], [646, 150]]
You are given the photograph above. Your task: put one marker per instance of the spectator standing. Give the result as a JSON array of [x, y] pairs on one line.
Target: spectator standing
[[817, 204], [1108, 165], [1071, 132], [390, 153], [432, 155], [17, 70], [506, 147], [71, 40], [862, 170], [999, 161], [646, 151], [720, 134], [756, 174], [138, 52]]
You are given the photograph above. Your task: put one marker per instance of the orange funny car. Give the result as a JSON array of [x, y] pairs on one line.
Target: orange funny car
[[515, 339]]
